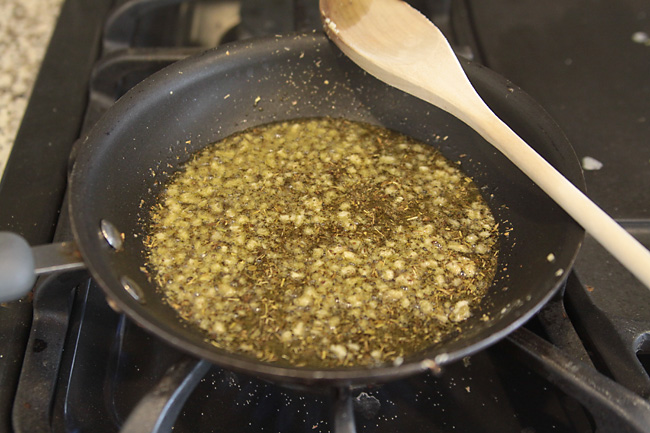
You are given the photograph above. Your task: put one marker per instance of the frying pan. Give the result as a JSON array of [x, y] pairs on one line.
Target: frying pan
[[122, 165]]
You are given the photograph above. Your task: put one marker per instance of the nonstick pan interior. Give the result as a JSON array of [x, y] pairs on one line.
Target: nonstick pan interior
[[125, 160]]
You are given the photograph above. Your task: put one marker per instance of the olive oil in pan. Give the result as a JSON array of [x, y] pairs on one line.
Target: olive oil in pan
[[322, 243]]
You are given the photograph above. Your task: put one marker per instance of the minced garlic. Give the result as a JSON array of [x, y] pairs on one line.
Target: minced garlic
[[322, 242]]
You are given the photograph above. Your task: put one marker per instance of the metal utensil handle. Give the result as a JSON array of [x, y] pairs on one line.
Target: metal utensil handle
[[20, 263]]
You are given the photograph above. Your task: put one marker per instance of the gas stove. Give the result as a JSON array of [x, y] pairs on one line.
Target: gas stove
[[68, 362]]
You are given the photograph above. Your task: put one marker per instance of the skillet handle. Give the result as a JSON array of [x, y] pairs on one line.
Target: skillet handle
[[20, 264]]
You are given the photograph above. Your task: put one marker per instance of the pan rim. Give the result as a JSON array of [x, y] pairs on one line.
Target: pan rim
[[202, 64]]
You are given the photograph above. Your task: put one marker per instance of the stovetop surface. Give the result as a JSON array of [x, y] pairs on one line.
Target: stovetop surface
[[584, 61], [585, 64]]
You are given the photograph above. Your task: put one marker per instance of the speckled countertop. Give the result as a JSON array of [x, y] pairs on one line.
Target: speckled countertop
[[25, 30]]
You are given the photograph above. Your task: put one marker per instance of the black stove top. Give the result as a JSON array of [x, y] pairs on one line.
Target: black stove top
[[68, 362]]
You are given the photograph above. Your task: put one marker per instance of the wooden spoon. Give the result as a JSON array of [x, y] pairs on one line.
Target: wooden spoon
[[398, 45]]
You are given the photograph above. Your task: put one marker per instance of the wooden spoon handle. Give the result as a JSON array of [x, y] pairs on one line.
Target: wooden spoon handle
[[634, 256], [400, 46]]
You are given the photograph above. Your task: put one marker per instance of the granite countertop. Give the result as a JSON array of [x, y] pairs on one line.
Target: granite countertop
[[25, 30]]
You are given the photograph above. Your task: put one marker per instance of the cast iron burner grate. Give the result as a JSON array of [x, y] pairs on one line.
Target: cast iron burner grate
[[79, 366]]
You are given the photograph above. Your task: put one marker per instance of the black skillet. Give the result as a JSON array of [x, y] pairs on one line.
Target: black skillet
[[123, 163]]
